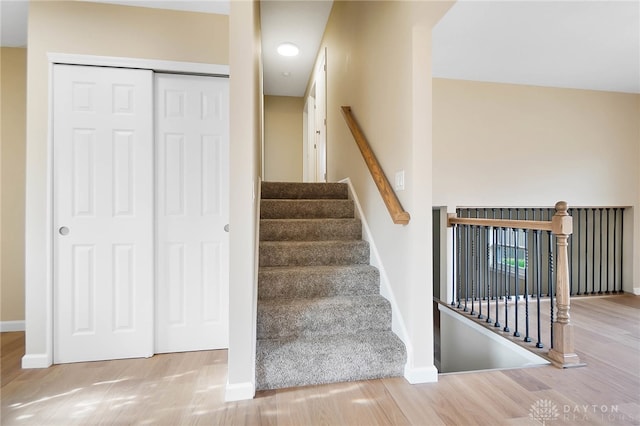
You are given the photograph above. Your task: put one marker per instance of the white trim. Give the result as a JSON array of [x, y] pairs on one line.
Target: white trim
[[36, 361], [397, 323], [636, 291], [6, 326], [157, 65], [239, 391], [421, 375]]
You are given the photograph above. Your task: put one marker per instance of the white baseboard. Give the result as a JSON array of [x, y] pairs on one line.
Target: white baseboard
[[421, 374], [11, 326], [36, 361], [239, 391], [636, 291]]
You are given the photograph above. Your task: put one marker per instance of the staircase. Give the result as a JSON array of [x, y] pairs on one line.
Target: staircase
[[321, 318]]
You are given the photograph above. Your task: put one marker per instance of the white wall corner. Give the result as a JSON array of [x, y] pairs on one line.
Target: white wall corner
[[415, 375], [7, 326], [36, 361], [239, 391], [398, 325]]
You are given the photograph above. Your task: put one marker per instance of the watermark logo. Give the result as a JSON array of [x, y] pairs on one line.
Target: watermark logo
[[544, 411]]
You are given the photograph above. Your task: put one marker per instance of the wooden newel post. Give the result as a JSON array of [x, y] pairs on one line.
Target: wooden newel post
[[562, 352]]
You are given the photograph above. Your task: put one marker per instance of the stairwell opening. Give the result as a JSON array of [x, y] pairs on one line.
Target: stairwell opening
[[461, 345]]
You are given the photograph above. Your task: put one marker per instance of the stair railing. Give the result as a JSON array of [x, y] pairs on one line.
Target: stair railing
[[502, 259], [398, 215]]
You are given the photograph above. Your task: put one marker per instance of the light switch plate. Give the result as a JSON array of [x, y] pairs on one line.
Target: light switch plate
[[399, 186]]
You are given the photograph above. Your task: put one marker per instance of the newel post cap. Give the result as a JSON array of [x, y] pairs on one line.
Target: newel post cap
[[562, 223]]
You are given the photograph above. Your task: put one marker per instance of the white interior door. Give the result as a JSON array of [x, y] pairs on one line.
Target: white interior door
[[321, 121], [192, 145], [103, 213]]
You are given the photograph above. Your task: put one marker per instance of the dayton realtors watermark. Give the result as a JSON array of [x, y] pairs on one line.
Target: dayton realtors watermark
[[545, 412]]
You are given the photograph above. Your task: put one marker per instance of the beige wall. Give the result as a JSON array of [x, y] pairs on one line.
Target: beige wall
[[92, 29], [13, 86], [512, 145], [283, 138], [379, 63], [246, 131]]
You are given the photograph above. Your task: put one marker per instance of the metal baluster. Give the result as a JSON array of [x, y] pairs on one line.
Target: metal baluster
[[593, 251], [607, 251], [507, 295], [578, 236], [527, 338], [480, 273], [495, 272], [538, 281], [474, 280], [621, 249], [466, 260], [551, 294], [455, 270], [571, 257], [488, 232], [600, 261], [615, 259], [459, 263], [516, 280]]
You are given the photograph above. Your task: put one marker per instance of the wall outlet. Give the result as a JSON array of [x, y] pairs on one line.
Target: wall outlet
[[399, 186]]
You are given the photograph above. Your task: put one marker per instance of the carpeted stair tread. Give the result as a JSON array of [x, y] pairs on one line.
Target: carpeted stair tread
[[306, 209], [313, 253], [297, 190], [310, 229], [322, 316], [289, 282], [292, 362]]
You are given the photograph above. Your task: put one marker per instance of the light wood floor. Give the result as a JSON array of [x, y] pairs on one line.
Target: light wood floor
[[177, 389]]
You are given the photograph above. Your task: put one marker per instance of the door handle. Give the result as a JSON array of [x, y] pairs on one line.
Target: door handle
[[63, 231], [226, 228]]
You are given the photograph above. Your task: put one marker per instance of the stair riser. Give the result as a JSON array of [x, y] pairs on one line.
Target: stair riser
[[291, 190], [314, 254], [292, 364], [290, 284], [306, 209], [310, 230], [309, 319]]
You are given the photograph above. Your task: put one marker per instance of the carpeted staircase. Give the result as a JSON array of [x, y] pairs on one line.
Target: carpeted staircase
[[321, 318]]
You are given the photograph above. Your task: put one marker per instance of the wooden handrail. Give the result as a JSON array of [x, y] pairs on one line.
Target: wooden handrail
[[398, 215], [499, 223]]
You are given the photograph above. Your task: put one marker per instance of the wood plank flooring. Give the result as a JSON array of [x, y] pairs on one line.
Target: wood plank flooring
[[188, 388]]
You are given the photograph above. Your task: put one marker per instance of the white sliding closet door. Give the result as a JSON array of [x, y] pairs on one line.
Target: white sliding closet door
[[192, 148], [103, 213]]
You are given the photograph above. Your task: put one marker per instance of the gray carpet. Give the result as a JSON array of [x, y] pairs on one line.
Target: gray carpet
[[321, 318]]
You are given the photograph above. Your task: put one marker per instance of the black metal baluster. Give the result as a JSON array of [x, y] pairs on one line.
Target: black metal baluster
[[607, 252], [571, 256], [507, 294], [516, 280], [615, 259], [459, 263], [474, 271], [579, 238], [600, 261], [527, 338], [453, 265], [551, 294], [480, 273], [488, 231], [467, 268], [621, 250], [495, 273], [593, 251], [538, 281]]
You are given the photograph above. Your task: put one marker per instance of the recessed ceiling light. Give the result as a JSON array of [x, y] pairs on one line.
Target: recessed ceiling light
[[286, 74], [288, 49]]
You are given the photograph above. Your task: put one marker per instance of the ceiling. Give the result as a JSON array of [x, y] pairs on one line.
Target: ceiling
[[575, 44]]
